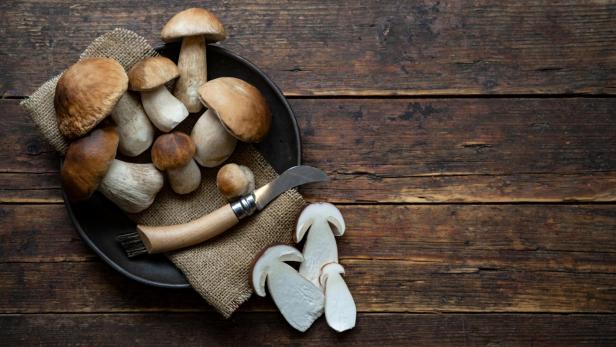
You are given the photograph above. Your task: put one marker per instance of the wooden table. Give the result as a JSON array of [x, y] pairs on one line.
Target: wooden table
[[472, 146]]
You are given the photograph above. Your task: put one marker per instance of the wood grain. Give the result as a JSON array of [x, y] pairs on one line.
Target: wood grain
[[269, 329], [389, 47], [408, 150], [377, 286], [511, 237]]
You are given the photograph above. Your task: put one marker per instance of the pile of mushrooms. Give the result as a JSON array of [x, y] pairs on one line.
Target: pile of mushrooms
[[302, 296], [94, 88]]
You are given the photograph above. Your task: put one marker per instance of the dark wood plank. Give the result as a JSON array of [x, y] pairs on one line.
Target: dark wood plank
[[377, 286], [32, 233], [389, 47], [419, 151], [269, 329], [510, 237]]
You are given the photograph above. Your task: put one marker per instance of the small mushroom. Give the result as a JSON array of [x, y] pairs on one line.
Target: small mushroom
[[235, 180], [240, 106], [324, 221], [90, 165], [196, 27], [149, 77], [299, 301], [213, 143], [86, 94], [340, 310], [173, 153], [136, 131]]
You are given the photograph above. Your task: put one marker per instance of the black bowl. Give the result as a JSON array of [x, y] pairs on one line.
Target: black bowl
[[98, 221]]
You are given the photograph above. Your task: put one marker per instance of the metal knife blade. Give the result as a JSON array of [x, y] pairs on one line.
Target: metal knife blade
[[293, 177]]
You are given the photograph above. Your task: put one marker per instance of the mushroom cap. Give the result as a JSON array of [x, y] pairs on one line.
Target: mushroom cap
[[151, 73], [319, 211], [263, 261], [172, 151], [87, 162], [235, 180], [328, 270], [86, 93], [193, 22], [240, 106]]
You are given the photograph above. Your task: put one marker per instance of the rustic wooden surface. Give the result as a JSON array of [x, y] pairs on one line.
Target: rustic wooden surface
[[472, 146]]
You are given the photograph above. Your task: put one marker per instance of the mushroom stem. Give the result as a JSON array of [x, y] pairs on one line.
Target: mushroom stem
[[164, 110], [192, 64], [213, 143], [319, 249], [135, 130], [132, 187], [185, 179]]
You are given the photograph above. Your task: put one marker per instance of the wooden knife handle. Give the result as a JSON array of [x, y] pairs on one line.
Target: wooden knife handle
[[158, 239]]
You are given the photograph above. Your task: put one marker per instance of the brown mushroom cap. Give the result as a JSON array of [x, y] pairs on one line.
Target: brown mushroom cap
[[193, 22], [151, 73], [87, 162], [234, 180], [240, 106], [172, 151], [86, 93]]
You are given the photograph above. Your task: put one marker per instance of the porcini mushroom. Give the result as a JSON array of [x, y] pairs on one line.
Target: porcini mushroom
[[149, 77], [87, 93], [324, 221], [136, 131], [213, 143], [241, 107], [340, 310], [173, 153], [235, 180], [299, 301], [90, 165], [196, 27]]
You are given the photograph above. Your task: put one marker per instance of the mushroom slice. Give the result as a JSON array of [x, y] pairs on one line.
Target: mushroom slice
[[340, 310], [213, 143], [299, 301], [149, 77], [324, 221], [132, 187], [136, 131]]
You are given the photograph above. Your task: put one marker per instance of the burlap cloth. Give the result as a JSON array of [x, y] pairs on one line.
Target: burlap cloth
[[217, 269]]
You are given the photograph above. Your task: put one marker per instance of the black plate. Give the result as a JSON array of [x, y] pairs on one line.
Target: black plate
[[98, 221]]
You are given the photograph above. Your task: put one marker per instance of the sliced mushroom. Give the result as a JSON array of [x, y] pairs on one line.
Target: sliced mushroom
[[239, 105], [136, 131], [299, 301], [173, 153], [149, 77], [87, 93], [235, 180], [90, 165], [324, 221], [196, 27], [340, 310], [214, 144]]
